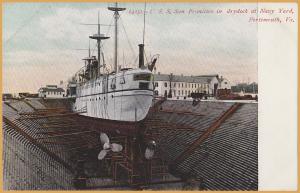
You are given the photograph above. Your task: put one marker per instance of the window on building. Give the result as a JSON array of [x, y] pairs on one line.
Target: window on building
[[166, 84], [174, 84], [178, 85], [179, 92], [182, 85], [185, 85], [156, 84], [192, 85], [174, 92], [185, 92]]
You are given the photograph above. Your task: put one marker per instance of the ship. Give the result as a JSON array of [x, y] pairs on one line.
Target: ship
[[121, 94]]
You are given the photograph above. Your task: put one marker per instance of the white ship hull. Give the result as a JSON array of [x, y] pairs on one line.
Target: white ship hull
[[128, 100]]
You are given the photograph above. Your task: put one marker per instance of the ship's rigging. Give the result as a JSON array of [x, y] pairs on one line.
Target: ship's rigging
[[113, 94], [114, 65]]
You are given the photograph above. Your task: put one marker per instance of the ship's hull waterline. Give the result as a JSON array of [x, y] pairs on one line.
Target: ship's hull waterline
[[126, 96], [130, 105]]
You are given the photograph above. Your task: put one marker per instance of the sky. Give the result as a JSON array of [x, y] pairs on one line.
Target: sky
[[41, 41]]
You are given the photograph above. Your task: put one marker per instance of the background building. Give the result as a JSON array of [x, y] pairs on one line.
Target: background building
[[244, 87], [181, 87], [6, 96], [51, 91]]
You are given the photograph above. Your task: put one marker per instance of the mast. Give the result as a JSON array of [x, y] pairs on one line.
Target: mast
[[116, 10], [99, 37], [99, 46], [88, 61]]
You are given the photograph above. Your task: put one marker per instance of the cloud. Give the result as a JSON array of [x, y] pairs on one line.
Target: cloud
[[188, 44]]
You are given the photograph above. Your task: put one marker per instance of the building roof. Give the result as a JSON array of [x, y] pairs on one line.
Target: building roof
[[55, 86], [7, 95], [45, 89], [203, 79], [208, 75]]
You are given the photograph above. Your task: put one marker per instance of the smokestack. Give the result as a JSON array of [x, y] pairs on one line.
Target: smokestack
[[141, 55]]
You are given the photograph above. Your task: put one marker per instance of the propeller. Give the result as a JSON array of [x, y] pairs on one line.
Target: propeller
[[149, 152], [107, 146]]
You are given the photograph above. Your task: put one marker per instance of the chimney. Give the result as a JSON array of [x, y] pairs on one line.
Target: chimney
[[141, 55]]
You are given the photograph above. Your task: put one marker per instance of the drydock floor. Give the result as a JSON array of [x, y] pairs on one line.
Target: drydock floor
[[203, 146]]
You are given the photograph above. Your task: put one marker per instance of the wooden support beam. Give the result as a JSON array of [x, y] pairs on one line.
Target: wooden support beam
[[44, 113], [158, 103], [206, 133], [78, 147], [13, 108], [48, 116], [52, 109], [136, 186], [36, 143], [64, 135], [30, 105], [65, 120], [62, 126], [161, 124], [180, 112], [57, 132], [65, 142], [175, 127]]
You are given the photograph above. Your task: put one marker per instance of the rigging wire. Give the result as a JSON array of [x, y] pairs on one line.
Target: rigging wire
[[23, 25], [144, 30], [130, 45]]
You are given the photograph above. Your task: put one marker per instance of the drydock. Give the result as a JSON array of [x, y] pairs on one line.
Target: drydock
[[202, 146]]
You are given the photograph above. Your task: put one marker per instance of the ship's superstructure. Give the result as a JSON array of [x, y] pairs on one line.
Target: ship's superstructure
[[123, 94]]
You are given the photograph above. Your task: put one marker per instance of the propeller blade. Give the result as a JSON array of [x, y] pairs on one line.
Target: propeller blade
[[149, 153], [104, 138], [116, 147], [106, 146], [102, 154]]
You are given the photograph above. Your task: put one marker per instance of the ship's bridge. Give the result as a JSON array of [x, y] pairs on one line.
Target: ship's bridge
[[143, 79]]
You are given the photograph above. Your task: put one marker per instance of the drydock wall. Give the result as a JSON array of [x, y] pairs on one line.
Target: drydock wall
[[26, 167], [226, 160]]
